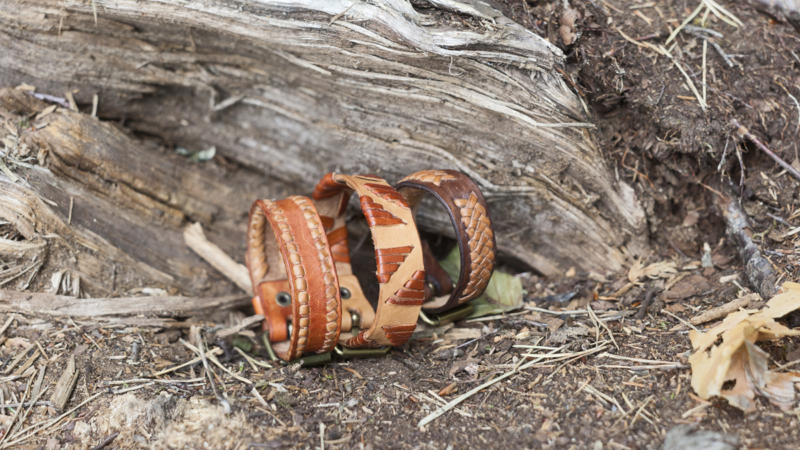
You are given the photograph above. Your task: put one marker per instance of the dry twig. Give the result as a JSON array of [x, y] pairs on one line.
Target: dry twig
[[745, 133], [62, 305], [688, 324], [724, 310], [212, 254], [106, 442], [248, 321], [608, 330]]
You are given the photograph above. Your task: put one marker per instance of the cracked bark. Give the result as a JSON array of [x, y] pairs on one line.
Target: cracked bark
[[286, 94]]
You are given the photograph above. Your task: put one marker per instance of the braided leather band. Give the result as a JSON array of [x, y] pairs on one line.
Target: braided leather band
[[295, 262], [398, 252], [469, 214]]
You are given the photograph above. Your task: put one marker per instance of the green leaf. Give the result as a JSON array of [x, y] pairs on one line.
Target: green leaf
[[199, 156], [243, 343], [504, 292], [204, 155], [481, 308], [452, 263]]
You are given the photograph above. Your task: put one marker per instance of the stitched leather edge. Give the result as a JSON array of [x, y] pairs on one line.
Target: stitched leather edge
[[472, 222], [256, 255], [332, 304], [434, 177], [300, 284], [385, 207], [481, 245], [266, 212]]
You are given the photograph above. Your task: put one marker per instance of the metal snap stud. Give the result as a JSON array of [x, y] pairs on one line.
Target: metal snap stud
[[283, 299]]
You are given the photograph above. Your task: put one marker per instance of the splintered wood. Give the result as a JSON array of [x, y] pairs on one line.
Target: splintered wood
[[65, 385], [196, 240]]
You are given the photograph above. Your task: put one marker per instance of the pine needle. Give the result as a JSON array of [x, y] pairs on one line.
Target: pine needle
[[721, 12], [688, 79], [686, 22]]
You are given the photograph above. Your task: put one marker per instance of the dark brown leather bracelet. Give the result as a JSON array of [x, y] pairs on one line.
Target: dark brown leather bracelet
[[398, 252], [293, 275], [470, 217]]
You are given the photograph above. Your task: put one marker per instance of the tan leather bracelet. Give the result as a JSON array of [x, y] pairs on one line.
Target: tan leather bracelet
[[398, 252], [469, 214], [293, 277]]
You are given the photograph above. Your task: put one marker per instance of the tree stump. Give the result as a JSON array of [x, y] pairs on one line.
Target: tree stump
[[287, 91]]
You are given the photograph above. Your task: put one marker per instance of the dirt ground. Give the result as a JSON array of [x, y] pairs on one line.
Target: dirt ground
[[378, 402], [659, 140]]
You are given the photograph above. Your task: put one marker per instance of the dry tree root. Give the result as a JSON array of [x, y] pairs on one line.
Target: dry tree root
[[744, 133], [759, 271]]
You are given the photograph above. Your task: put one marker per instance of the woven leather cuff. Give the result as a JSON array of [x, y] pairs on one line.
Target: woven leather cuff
[[294, 279], [470, 217], [398, 252]]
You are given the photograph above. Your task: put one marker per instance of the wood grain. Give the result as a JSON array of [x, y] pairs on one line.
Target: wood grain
[[417, 91], [66, 384], [61, 305]]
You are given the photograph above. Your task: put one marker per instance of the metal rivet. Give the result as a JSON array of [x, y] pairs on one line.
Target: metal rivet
[[283, 299], [355, 318], [344, 293], [289, 327]]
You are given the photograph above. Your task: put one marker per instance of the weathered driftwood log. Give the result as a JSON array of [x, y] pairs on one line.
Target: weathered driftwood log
[[293, 89], [110, 210]]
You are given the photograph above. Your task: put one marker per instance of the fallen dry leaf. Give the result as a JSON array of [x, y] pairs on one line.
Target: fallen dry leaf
[[17, 342], [563, 334], [663, 269], [567, 29], [462, 365], [688, 287], [737, 359], [675, 308], [602, 305], [553, 323], [448, 390]]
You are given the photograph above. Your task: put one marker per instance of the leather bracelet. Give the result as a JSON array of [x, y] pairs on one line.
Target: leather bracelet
[[293, 277], [398, 252], [469, 214]]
